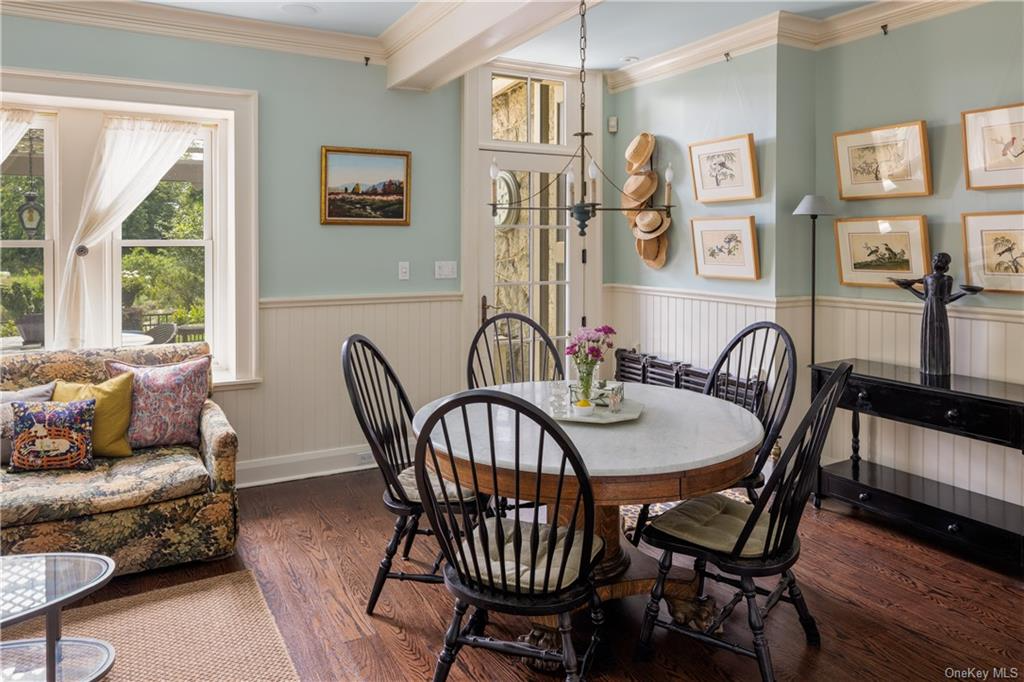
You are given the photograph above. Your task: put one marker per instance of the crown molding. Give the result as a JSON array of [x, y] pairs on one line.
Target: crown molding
[[413, 24], [783, 28], [129, 15]]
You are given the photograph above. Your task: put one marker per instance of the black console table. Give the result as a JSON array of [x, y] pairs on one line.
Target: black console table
[[990, 411]]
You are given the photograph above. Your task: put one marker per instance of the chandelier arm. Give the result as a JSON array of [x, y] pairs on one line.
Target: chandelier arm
[[518, 204]]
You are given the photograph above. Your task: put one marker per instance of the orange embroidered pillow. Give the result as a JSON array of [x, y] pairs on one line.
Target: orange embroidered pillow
[[52, 435]]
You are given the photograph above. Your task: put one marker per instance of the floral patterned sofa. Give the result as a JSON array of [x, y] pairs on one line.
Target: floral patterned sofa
[[162, 506]]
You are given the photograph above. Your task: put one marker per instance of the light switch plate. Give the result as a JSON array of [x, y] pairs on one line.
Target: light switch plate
[[403, 269], [613, 124], [446, 269]]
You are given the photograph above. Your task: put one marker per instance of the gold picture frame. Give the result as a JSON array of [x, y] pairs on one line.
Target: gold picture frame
[[982, 231], [725, 247], [978, 173], [724, 169], [365, 186], [884, 162], [897, 246]]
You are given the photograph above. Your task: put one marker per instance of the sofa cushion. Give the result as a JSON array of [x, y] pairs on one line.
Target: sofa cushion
[[52, 435], [152, 475], [113, 412], [166, 401], [32, 394]]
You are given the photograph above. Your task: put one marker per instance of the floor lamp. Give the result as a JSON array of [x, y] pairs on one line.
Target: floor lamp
[[813, 205]]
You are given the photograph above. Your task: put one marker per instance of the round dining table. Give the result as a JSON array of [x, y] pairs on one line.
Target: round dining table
[[683, 445]]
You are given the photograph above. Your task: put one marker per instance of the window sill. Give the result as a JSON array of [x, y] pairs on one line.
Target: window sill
[[228, 384]]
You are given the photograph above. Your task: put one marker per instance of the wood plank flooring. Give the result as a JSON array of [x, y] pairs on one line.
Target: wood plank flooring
[[889, 607]]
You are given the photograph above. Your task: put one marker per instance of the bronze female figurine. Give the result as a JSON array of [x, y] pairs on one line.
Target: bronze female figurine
[[937, 294]]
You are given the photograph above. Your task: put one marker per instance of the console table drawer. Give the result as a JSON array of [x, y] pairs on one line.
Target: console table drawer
[[986, 420]]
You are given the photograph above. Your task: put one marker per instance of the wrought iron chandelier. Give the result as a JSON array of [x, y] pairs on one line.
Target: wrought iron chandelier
[[581, 211]]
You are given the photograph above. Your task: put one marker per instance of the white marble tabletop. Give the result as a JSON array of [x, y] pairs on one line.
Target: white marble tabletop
[[678, 431]]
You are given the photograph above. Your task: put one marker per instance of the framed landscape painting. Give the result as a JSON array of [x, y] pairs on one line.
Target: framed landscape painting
[[871, 250], [994, 250], [725, 248], [883, 163], [724, 169], [994, 147], [364, 186]]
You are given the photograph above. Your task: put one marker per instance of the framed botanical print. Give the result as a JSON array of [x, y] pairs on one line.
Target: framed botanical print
[[993, 141], [883, 163], [724, 169], [725, 248], [364, 186], [994, 250], [871, 250]]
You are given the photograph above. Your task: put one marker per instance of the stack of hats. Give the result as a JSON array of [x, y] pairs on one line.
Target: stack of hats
[[649, 227]]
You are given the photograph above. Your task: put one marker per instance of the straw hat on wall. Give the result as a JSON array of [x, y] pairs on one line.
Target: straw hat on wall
[[639, 151], [650, 224]]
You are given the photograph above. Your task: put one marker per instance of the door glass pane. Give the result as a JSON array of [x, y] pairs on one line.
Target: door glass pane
[[22, 299], [550, 193], [174, 209], [551, 254], [550, 302], [512, 298], [512, 254], [547, 104], [164, 286], [23, 190], [508, 108]]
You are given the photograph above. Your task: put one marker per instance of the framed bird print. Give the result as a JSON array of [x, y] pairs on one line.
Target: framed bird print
[[883, 163], [994, 250], [725, 248], [993, 142], [724, 169], [871, 250]]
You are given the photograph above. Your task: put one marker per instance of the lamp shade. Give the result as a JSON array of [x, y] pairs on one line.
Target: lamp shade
[[813, 204]]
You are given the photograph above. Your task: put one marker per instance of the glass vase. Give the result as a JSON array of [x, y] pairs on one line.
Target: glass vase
[[586, 380]]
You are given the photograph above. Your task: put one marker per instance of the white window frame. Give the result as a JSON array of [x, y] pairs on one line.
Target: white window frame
[[235, 340], [47, 122]]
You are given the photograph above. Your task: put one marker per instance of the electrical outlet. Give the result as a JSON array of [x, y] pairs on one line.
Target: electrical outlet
[[446, 269], [403, 269]]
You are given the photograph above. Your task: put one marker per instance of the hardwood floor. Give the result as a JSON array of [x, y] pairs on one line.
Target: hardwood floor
[[888, 606]]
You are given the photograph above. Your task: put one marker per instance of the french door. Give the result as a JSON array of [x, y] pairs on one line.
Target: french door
[[530, 261]]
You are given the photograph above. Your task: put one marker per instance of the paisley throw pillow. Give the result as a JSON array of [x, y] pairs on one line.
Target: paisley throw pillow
[[166, 401], [52, 435]]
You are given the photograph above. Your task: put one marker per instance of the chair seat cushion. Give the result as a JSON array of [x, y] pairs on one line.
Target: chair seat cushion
[[152, 475], [407, 479], [713, 522], [519, 572]]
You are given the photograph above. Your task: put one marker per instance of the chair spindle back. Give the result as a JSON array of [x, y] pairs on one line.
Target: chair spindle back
[[510, 348], [382, 409], [493, 443]]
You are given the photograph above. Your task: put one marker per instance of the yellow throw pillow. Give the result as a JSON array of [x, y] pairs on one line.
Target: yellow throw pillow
[[113, 411]]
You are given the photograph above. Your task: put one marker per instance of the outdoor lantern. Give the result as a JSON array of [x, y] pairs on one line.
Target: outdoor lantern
[[30, 214]]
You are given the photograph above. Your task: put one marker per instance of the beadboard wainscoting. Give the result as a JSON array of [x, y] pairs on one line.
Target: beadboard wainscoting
[[693, 326], [298, 422]]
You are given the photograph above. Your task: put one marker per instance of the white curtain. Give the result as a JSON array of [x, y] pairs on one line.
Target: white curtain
[[13, 126], [132, 155]]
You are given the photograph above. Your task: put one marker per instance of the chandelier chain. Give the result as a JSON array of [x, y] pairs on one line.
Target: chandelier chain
[[583, 54]]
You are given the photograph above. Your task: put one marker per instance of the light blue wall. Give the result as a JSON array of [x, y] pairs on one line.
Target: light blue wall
[[305, 102], [932, 71], [726, 98]]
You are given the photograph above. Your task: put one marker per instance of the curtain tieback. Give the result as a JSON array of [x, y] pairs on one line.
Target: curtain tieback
[[81, 250]]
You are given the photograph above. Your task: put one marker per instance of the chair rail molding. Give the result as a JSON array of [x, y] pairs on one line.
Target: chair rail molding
[[782, 28]]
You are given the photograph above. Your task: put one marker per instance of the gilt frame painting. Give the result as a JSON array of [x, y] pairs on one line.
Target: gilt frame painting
[[994, 250], [883, 163], [725, 247], [364, 186], [993, 146], [724, 169], [871, 250]]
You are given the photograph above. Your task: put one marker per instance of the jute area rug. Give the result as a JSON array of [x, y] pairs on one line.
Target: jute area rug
[[214, 629]]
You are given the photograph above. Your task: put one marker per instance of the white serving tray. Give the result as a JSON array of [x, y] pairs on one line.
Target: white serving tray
[[631, 409]]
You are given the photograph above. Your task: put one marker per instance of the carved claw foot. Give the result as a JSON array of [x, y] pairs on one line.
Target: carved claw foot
[[696, 614], [544, 639]]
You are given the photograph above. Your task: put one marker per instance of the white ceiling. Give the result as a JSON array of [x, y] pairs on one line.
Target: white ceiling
[[638, 28], [358, 18]]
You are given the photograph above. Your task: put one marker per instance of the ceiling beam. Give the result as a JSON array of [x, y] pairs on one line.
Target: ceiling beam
[[431, 46]]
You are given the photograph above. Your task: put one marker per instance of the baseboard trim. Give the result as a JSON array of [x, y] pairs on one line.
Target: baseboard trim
[[299, 465]]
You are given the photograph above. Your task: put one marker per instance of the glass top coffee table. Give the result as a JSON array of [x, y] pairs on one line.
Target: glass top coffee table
[[34, 585]]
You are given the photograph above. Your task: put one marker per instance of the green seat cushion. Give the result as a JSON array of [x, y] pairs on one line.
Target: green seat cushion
[[151, 475], [519, 572], [407, 479], [714, 522]]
